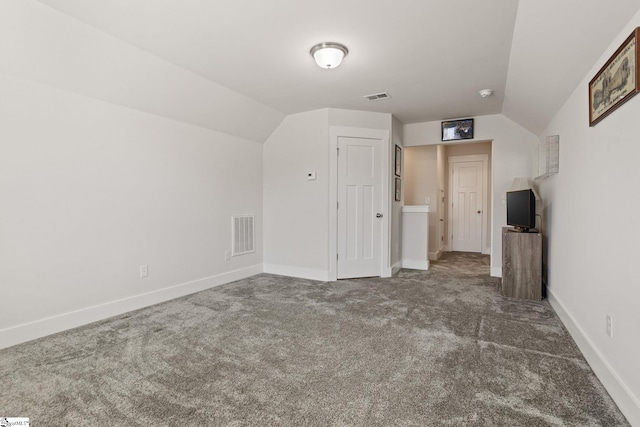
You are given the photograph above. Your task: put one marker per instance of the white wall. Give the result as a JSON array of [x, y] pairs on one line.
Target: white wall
[[591, 214], [297, 211], [91, 190], [44, 45], [511, 156], [421, 182], [442, 193], [359, 119], [421, 174], [396, 206], [111, 158]]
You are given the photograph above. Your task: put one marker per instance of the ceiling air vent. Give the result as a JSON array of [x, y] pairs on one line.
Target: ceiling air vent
[[377, 96]]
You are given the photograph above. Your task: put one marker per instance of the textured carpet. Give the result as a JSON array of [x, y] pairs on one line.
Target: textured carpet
[[434, 348]]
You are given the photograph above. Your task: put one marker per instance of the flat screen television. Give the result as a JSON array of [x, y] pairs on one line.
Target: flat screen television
[[521, 210]]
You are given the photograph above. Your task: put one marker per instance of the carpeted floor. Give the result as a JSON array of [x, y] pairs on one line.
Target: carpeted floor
[[434, 348]]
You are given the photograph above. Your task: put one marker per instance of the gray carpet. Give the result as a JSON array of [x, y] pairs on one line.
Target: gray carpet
[[435, 348]]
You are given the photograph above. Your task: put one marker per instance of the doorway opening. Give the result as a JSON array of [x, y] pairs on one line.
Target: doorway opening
[[455, 181]]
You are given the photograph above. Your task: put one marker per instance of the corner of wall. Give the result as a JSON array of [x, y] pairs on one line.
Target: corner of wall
[[628, 403], [64, 321]]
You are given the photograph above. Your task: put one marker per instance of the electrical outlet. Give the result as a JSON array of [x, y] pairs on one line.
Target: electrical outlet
[[609, 326], [144, 270], [227, 255]]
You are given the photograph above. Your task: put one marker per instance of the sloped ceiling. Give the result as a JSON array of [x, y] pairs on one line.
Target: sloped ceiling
[[555, 43], [432, 56]]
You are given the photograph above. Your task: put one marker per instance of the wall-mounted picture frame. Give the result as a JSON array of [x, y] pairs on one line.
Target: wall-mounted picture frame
[[454, 130], [398, 160], [617, 81], [398, 189]]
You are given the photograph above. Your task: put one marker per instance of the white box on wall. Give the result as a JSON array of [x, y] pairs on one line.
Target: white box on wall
[[546, 159]]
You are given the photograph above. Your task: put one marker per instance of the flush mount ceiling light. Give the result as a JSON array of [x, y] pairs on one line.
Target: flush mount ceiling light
[[329, 54], [486, 92]]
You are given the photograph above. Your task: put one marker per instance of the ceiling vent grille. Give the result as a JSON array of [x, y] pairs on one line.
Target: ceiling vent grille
[[377, 96], [244, 239]]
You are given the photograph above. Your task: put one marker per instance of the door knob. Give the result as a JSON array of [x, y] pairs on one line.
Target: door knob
[[378, 215]]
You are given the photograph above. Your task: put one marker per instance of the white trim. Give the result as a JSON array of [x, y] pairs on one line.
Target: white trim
[[415, 264], [51, 325], [396, 268], [383, 135], [484, 158], [627, 402], [486, 251], [333, 202], [434, 256], [388, 198], [496, 271], [415, 208], [302, 273]]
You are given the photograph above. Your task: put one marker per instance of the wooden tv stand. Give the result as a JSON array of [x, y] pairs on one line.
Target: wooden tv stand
[[521, 264]]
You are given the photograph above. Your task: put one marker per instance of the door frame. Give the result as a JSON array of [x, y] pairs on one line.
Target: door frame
[[336, 132], [484, 158]]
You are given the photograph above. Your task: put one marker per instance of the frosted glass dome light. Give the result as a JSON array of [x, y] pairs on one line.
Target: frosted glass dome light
[[329, 55]]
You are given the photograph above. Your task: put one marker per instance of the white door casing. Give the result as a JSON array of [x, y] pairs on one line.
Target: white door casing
[[441, 210], [362, 185], [468, 205]]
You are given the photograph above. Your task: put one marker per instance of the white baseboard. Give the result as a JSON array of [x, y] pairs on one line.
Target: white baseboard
[[434, 256], [51, 325], [628, 403], [396, 268], [302, 273], [496, 271], [415, 264], [486, 251]]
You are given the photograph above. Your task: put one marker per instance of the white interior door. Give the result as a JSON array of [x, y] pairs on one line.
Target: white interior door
[[466, 182], [359, 207]]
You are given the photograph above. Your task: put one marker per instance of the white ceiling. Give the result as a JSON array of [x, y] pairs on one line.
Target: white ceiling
[[431, 56]]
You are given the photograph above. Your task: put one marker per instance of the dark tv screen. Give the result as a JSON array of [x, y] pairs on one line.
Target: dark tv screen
[[521, 209]]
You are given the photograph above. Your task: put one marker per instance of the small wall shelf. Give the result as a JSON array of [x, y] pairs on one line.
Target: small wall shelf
[[546, 158]]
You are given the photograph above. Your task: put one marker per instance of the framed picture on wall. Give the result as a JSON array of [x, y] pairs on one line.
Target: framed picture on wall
[[453, 130], [617, 81], [398, 160], [398, 189]]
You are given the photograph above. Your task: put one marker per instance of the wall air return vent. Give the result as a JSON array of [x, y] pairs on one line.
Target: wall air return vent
[[244, 239], [377, 96]]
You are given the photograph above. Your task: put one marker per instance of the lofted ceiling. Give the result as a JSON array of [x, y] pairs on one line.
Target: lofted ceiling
[[431, 56]]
